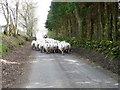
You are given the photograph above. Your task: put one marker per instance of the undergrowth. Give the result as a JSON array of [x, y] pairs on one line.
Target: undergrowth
[[108, 48], [8, 43]]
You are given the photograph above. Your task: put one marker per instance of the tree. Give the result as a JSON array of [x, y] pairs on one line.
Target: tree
[[5, 11], [27, 18], [94, 21], [10, 13]]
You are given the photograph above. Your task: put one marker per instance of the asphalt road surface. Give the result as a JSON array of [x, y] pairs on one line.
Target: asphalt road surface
[[63, 71]]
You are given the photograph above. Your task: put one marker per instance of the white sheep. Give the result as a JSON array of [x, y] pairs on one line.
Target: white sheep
[[33, 43], [61, 47], [47, 47], [37, 45], [67, 47], [64, 46], [41, 46], [50, 45]]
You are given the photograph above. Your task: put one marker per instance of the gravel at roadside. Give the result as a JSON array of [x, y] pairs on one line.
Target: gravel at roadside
[[13, 64]]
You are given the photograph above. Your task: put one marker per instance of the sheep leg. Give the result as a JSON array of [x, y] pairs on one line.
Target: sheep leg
[[32, 47], [68, 51], [62, 52]]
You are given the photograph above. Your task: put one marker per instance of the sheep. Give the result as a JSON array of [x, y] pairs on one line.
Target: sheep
[[37, 46], [64, 46], [33, 43], [47, 47], [41, 47], [50, 45], [53, 47], [67, 47], [61, 47]]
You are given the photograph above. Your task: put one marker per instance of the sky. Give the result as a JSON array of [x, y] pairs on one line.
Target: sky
[[42, 12], [2, 20]]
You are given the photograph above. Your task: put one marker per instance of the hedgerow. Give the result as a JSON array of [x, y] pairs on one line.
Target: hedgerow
[[108, 48]]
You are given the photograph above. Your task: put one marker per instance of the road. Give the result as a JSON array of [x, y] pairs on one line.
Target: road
[[63, 71]]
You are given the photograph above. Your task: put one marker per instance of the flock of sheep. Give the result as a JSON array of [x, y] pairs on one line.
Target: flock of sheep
[[50, 45]]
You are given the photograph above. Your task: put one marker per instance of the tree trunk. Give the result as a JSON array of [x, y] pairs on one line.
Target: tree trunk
[[115, 17], [78, 20], [91, 30], [16, 21], [100, 20]]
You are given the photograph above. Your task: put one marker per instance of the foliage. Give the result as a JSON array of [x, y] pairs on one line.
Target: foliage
[[57, 12], [8, 43], [4, 49], [109, 48], [94, 21], [87, 25], [51, 34]]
